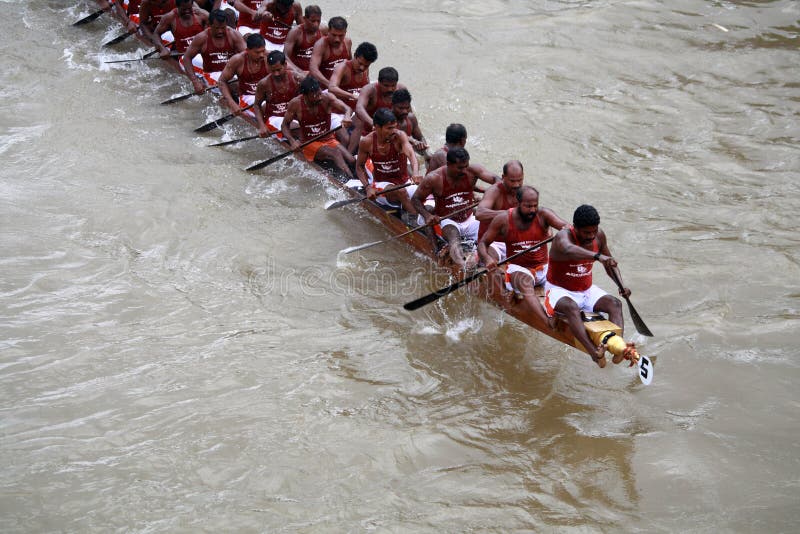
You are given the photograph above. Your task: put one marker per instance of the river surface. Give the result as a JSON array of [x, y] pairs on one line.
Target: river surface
[[183, 348]]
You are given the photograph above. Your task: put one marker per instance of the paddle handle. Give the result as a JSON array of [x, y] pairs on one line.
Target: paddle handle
[[263, 164]]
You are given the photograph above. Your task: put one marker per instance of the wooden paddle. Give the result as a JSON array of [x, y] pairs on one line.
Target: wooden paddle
[[416, 229], [89, 18], [270, 161], [189, 95], [250, 138], [149, 55], [637, 321], [345, 202], [219, 122], [439, 293], [119, 38]]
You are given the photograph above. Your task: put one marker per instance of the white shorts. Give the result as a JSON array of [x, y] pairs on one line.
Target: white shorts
[[467, 229], [500, 248], [380, 186], [539, 275], [584, 299]]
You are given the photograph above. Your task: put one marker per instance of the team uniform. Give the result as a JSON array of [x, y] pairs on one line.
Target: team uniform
[[572, 279], [505, 205], [312, 124], [279, 100], [533, 263], [452, 198], [388, 170], [245, 23], [276, 30], [301, 55]]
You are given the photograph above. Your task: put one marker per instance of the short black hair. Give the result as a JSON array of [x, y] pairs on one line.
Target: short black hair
[[308, 85], [337, 23], [217, 15], [400, 96], [255, 40], [455, 133], [457, 155], [388, 74], [276, 56], [585, 216], [521, 191], [367, 51], [383, 116]]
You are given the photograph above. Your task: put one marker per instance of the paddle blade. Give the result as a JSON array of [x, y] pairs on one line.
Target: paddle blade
[[119, 38], [340, 203], [637, 321], [214, 124], [360, 247], [88, 18], [436, 295], [178, 98], [270, 161], [234, 141]]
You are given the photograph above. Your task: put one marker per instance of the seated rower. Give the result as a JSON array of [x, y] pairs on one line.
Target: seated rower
[[371, 97], [454, 136], [312, 110], [301, 39], [277, 17], [498, 199], [247, 22], [216, 45], [150, 15], [274, 92], [250, 66], [569, 289], [452, 188], [407, 121], [351, 75], [390, 152], [329, 51], [185, 21], [517, 229]]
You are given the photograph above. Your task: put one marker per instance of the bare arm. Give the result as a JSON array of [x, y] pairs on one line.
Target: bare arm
[[408, 150], [426, 187], [552, 219], [292, 39], [364, 99], [485, 210], [292, 113], [262, 96], [317, 57], [195, 47], [484, 174], [496, 231], [364, 152], [230, 70], [337, 78]]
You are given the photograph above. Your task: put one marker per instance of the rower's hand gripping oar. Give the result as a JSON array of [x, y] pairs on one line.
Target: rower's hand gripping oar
[[262, 164], [220, 121], [416, 229], [439, 293], [89, 18], [348, 201]]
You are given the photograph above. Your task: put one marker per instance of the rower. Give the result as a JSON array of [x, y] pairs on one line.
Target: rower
[[217, 44], [150, 14], [274, 92], [569, 290], [452, 188], [370, 98], [300, 40], [351, 75], [185, 21], [312, 110], [248, 10], [407, 121], [518, 229], [277, 18], [454, 136], [498, 199], [250, 66], [329, 51], [390, 151]]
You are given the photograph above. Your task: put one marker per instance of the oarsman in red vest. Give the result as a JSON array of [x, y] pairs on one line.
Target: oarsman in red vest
[[185, 21], [150, 14], [250, 66], [391, 152], [452, 189], [248, 13], [454, 136], [312, 111], [216, 46], [277, 18], [407, 121], [569, 289], [301, 39], [518, 229], [329, 51], [370, 98], [274, 93], [351, 75], [498, 199]]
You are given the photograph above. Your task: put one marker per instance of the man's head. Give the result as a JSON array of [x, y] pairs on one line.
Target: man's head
[[385, 123], [586, 222], [256, 46], [387, 81], [457, 162], [337, 29], [218, 22], [277, 63], [364, 56], [184, 7], [313, 16], [310, 89], [456, 134], [513, 176], [401, 103], [528, 198]]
